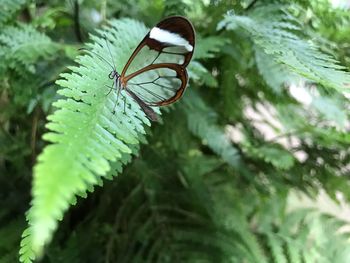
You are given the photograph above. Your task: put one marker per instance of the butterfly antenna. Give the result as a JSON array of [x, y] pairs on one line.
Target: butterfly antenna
[[110, 53], [98, 55]]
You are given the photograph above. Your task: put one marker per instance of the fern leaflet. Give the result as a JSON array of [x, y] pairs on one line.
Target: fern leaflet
[[9, 9], [206, 128], [22, 46]]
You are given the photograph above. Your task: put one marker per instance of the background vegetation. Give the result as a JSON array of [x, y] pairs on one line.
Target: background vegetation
[[265, 116]]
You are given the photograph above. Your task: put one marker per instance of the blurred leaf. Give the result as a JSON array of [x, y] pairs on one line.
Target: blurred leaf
[[276, 36]]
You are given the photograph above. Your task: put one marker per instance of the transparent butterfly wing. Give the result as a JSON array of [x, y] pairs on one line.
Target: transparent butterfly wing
[[160, 85], [156, 71]]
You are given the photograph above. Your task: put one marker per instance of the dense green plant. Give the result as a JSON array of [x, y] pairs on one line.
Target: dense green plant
[[95, 181]]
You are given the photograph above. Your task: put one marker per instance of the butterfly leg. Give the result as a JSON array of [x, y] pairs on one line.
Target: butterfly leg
[[118, 88], [124, 98], [110, 89], [118, 92], [116, 102], [115, 105]]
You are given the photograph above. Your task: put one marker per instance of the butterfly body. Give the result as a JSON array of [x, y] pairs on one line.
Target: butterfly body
[[118, 84]]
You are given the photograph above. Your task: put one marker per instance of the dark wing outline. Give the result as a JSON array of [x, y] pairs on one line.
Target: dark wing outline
[[174, 24], [181, 73]]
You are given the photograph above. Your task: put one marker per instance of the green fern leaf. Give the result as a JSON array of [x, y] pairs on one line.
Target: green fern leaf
[[306, 235], [201, 75], [202, 123], [22, 46], [276, 248], [274, 31], [293, 251], [9, 8], [207, 47], [27, 255], [88, 139], [331, 109], [276, 75], [175, 7], [271, 153]]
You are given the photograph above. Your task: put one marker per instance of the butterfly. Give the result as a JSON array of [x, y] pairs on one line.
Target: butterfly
[[155, 74]]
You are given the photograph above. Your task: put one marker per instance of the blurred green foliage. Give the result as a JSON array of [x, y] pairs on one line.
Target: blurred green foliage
[[265, 114]]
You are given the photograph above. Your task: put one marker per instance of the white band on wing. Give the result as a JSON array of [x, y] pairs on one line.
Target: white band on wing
[[165, 36]]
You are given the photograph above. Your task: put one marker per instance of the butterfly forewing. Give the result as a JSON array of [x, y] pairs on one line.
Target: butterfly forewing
[[156, 71]]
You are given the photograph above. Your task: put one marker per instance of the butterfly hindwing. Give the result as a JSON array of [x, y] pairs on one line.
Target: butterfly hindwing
[[159, 84]]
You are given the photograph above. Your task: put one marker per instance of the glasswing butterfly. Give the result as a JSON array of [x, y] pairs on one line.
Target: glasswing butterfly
[[155, 74]]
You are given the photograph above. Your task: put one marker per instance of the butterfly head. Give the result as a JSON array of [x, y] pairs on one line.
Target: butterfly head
[[114, 74]]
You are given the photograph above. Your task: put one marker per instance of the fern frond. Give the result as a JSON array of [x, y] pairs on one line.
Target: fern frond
[[271, 153], [201, 75], [276, 247], [23, 46], [202, 123], [293, 252], [310, 236], [331, 109], [26, 252], [87, 138], [175, 7], [207, 47], [9, 8], [176, 221], [275, 74], [275, 32]]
